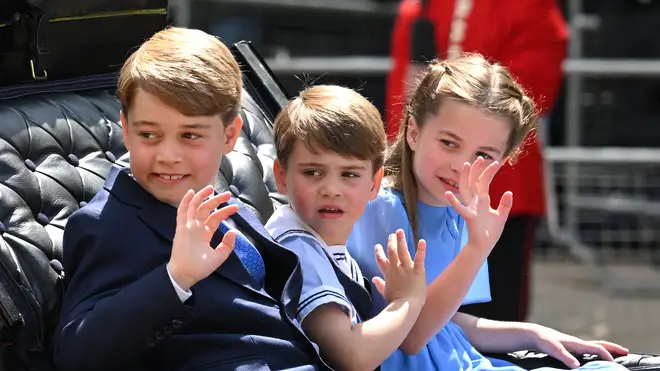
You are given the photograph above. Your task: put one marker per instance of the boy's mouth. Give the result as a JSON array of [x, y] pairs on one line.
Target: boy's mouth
[[331, 211], [170, 177]]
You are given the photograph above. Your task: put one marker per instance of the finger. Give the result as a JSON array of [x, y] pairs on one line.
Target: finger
[[225, 247], [379, 283], [210, 204], [381, 259], [506, 203], [558, 351], [473, 179], [464, 183], [197, 200], [487, 177], [392, 250], [402, 249], [458, 206], [583, 347], [214, 220], [420, 256], [483, 203], [182, 210], [612, 347]]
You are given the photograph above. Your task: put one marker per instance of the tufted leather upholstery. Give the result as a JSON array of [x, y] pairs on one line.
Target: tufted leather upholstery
[[55, 150]]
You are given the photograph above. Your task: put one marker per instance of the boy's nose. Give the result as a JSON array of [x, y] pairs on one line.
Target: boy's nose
[[168, 154], [329, 189]]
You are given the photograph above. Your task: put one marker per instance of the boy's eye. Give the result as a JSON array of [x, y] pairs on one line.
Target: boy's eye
[[312, 173], [449, 143], [350, 175], [147, 135], [190, 136]]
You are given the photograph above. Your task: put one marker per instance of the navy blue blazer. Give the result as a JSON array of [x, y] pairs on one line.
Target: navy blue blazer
[[121, 312]]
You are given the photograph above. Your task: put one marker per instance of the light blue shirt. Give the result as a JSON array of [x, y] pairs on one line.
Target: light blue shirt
[[446, 234], [320, 282], [442, 228]]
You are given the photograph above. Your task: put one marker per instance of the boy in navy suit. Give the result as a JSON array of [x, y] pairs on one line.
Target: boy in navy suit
[[159, 277]]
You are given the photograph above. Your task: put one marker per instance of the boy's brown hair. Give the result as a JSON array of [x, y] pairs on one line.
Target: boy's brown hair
[[333, 118], [187, 69]]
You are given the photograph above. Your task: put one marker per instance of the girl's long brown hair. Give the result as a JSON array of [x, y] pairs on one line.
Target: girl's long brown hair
[[470, 79]]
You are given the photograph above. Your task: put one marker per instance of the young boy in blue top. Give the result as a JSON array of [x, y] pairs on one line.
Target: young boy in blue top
[[330, 146]]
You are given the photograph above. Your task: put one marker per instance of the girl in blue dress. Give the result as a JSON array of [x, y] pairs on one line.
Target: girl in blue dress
[[465, 118]]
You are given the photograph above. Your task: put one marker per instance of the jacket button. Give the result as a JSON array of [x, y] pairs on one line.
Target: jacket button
[[176, 323], [160, 335]]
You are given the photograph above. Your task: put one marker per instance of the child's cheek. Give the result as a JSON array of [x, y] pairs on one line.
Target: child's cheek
[[302, 199]]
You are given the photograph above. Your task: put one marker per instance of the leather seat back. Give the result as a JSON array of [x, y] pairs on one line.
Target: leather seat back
[[56, 148]]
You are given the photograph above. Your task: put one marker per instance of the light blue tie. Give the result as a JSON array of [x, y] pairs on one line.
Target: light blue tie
[[248, 254]]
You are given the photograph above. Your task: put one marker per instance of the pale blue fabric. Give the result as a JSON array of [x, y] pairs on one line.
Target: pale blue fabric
[[445, 233]]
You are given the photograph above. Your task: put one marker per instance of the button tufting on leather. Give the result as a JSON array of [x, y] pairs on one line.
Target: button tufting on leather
[[58, 190], [110, 156], [234, 190], [73, 160], [57, 266], [42, 219], [30, 165]]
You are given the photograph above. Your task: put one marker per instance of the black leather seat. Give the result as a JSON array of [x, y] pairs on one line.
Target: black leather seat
[[57, 143]]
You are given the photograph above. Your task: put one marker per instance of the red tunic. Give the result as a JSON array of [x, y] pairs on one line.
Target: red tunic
[[527, 36]]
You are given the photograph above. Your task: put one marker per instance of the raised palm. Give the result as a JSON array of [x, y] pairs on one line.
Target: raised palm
[[484, 223], [193, 258]]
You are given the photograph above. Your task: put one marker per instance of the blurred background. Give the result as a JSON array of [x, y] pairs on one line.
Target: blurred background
[[595, 259]]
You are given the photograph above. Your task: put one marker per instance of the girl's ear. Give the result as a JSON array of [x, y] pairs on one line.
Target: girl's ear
[[412, 134]]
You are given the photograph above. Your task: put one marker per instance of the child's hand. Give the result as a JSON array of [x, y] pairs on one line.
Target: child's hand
[[193, 259], [403, 277], [562, 346], [484, 224]]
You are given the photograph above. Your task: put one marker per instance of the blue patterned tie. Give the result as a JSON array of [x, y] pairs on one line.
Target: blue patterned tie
[[248, 254]]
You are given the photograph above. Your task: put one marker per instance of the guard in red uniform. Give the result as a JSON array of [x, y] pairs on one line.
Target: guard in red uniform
[[527, 36]]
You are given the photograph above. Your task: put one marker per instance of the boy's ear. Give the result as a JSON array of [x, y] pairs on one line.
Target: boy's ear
[[376, 182], [412, 134], [280, 177], [232, 132], [124, 130]]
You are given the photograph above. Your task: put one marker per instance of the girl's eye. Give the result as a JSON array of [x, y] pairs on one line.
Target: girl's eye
[[350, 175], [486, 156], [449, 143]]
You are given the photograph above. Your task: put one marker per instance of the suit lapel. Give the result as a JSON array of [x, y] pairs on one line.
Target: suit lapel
[[247, 219], [277, 258], [161, 218], [234, 269]]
